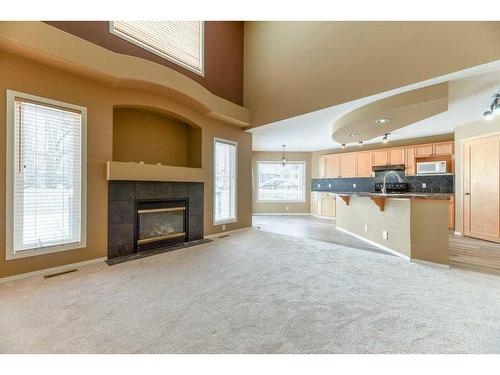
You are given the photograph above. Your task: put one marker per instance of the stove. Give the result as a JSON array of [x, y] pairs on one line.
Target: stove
[[392, 187]]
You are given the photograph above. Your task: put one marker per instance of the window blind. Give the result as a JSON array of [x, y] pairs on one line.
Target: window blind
[[47, 188], [225, 182], [278, 183], [178, 41]]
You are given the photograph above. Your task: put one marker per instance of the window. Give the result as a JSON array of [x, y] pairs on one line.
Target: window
[[281, 184], [224, 181], [178, 41], [45, 176]]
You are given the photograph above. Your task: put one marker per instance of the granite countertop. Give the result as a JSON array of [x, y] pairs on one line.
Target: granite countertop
[[436, 196]]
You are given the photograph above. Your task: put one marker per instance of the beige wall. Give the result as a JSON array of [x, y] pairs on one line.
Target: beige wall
[[476, 129], [261, 207], [144, 135], [406, 142], [31, 77], [292, 68]]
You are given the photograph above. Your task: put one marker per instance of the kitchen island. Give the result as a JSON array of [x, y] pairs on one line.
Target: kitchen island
[[411, 225]]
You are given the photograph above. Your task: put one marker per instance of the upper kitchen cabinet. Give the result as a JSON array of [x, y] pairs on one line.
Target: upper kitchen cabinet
[[363, 164], [347, 165], [437, 149], [410, 162], [331, 166], [380, 158], [396, 156]]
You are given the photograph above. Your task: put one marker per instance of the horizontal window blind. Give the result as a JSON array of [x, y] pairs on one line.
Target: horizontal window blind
[[225, 182], [179, 41], [281, 183], [47, 175]]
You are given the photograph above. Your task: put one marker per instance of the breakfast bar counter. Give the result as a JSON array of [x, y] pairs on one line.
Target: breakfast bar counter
[[411, 225]]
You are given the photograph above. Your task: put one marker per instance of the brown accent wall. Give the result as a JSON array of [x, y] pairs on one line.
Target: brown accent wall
[[32, 77], [223, 53], [152, 137], [279, 207]]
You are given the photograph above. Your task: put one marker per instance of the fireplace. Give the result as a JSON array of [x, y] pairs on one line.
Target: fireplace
[[146, 215], [160, 223]]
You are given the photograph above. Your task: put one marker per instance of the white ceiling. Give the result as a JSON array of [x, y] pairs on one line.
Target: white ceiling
[[470, 93]]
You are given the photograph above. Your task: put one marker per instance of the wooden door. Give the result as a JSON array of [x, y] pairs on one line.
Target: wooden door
[[451, 213], [443, 149], [380, 157], [364, 164], [423, 151], [347, 165], [397, 156], [481, 201], [333, 167], [410, 161]]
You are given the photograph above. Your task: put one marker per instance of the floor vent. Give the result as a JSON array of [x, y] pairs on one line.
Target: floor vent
[[59, 274], [224, 236]]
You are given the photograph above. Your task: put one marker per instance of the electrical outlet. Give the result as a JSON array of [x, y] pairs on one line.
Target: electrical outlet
[[223, 227], [354, 186], [288, 208], [366, 227], [424, 185], [329, 186], [385, 235], [319, 186]]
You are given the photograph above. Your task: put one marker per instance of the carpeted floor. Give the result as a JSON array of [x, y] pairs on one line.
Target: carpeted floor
[[254, 292]]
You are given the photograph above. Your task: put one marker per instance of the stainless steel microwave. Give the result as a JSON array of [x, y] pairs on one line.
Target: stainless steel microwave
[[431, 167]]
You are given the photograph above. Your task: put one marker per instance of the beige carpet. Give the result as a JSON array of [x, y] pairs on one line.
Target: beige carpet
[[255, 292]]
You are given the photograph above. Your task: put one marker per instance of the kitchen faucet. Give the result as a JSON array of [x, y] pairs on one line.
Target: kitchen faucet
[[385, 176]]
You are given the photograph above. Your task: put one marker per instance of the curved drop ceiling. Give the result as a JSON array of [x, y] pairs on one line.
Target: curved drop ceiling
[[400, 110]]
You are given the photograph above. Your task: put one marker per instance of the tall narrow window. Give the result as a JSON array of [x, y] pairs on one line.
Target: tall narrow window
[[224, 181], [178, 41], [45, 176]]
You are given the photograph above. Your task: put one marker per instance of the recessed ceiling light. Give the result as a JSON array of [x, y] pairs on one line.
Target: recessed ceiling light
[[382, 120], [352, 135]]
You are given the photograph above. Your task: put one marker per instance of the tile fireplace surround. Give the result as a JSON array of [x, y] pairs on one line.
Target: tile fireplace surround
[[123, 197]]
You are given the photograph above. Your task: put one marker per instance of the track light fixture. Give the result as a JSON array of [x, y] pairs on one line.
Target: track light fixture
[[343, 145], [360, 143], [384, 138], [494, 108]]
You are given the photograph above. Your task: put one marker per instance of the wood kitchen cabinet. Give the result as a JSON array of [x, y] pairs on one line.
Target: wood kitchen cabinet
[[380, 158], [363, 164], [436, 149], [396, 156], [314, 203], [327, 205], [332, 166], [347, 165], [410, 163]]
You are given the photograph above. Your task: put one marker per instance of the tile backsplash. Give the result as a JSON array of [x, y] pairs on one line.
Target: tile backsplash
[[434, 183]]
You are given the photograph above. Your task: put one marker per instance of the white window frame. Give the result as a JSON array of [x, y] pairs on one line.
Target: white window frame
[[162, 54], [10, 253], [278, 162], [221, 222]]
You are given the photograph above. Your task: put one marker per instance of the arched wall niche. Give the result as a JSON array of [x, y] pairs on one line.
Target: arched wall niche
[[155, 136]]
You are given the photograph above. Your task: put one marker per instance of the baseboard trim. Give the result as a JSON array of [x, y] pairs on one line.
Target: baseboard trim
[[431, 264], [281, 213], [215, 235], [388, 249], [57, 269]]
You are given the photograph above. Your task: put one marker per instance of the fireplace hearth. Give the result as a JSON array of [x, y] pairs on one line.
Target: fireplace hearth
[[153, 215]]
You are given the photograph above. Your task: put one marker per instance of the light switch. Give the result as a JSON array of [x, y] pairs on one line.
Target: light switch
[[366, 227], [385, 235]]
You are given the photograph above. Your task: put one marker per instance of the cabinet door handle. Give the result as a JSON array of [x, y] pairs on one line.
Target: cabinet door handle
[[466, 193]]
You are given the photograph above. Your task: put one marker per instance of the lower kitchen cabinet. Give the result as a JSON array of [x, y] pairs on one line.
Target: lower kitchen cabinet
[[323, 204]]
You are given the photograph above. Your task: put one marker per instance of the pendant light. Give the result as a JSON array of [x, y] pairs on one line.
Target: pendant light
[[284, 160]]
